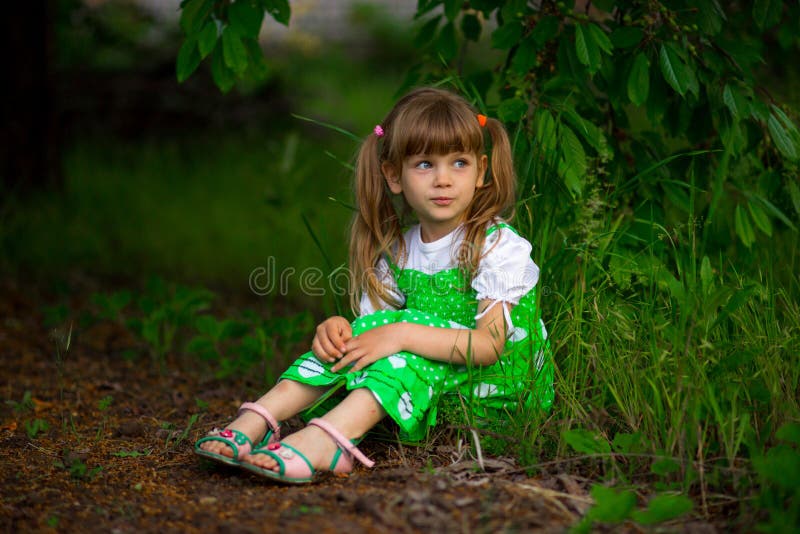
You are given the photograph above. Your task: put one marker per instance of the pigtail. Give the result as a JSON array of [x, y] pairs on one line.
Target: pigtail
[[375, 227], [494, 199]]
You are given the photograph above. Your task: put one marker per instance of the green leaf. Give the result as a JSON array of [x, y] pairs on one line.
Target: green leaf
[[427, 32], [223, 76], [506, 35], [525, 56], [585, 442], [780, 466], [258, 65], [208, 325], [193, 15], [446, 43], [625, 443], [545, 29], [767, 13], [759, 217], [743, 228], [207, 39], [740, 297], [231, 329], [471, 27], [581, 46], [785, 120], [590, 132], [452, 8], [572, 149], [546, 132], [600, 38], [233, 50], [279, 9], [789, 432], [706, 275], [794, 194], [200, 345], [611, 506], [639, 80], [512, 110], [773, 210], [663, 508], [735, 101], [626, 37], [246, 17], [783, 142], [709, 16], [677, 74], [664, 467], [188, 59]]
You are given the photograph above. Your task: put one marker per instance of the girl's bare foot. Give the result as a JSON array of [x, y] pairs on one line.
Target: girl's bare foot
[[313, 442], [249, 423]]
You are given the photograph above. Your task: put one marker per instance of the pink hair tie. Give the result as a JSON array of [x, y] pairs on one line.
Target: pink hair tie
[[378, 130]]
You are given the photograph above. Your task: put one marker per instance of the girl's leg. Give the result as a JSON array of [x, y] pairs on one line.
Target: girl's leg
[[285, 399], [353, 417]]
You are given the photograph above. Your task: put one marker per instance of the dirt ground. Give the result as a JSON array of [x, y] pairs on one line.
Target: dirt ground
[[93, 442]]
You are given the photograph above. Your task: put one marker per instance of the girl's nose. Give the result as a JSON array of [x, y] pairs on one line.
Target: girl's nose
[[441, 178]]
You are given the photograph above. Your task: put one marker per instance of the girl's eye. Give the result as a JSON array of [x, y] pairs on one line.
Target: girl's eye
[[423, 165], [461, 163]]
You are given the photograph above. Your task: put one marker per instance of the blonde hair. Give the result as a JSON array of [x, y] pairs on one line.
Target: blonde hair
[[425, 121]]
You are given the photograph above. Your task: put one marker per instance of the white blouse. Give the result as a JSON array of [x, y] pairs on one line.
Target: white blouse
[[505, 274]]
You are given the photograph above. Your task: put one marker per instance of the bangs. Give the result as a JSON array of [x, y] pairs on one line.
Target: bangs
[[438, 128]]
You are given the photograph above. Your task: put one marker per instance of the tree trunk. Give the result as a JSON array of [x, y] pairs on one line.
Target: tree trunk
[[31, 141]]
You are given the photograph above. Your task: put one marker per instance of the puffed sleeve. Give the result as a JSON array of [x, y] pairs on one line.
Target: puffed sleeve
[[507, 271], [386, 277]]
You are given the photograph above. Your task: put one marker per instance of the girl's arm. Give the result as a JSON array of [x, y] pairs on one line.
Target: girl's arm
[[479, 346]]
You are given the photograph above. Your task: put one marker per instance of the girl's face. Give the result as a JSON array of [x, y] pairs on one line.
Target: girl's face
[[438, 187]]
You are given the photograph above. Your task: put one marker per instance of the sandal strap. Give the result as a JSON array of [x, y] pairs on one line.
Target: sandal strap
[[268, 417], [343, 443], [238, 441]]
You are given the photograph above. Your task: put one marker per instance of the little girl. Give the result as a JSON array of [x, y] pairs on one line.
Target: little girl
[[447, 305]]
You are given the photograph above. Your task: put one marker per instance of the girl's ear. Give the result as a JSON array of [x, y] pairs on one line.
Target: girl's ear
[[483, 168], [392, 177]]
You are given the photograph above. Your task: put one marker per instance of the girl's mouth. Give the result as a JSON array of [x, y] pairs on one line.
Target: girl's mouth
[[442, 201]]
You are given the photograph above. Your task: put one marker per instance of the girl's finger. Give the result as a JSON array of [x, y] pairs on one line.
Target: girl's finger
[[347, 359], [329, 348]]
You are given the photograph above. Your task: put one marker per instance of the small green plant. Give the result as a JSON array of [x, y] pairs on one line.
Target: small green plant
[[110, 306], [80, 471], [215, 338], [34, 427], [176, 437], [77, 467], [163, 310], [26, 404], [614, 507], [779, 472], [52, 521], [103, 405]]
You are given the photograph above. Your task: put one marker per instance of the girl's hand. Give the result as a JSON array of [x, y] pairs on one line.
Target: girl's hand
[[370, 346], [329, 340]]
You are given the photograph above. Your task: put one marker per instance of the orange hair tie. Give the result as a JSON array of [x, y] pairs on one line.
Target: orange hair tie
[[482, 120]]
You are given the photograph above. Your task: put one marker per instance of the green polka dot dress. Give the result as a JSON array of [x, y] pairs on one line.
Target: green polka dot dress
[[409, 386]]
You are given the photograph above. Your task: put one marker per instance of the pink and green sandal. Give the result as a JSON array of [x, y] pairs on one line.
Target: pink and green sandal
[[294, 467], [239, 443]]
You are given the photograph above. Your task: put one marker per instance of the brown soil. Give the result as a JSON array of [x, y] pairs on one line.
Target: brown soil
[[127, 464]]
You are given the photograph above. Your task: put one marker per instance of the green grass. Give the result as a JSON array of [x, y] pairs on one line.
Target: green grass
[[208, 211]]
